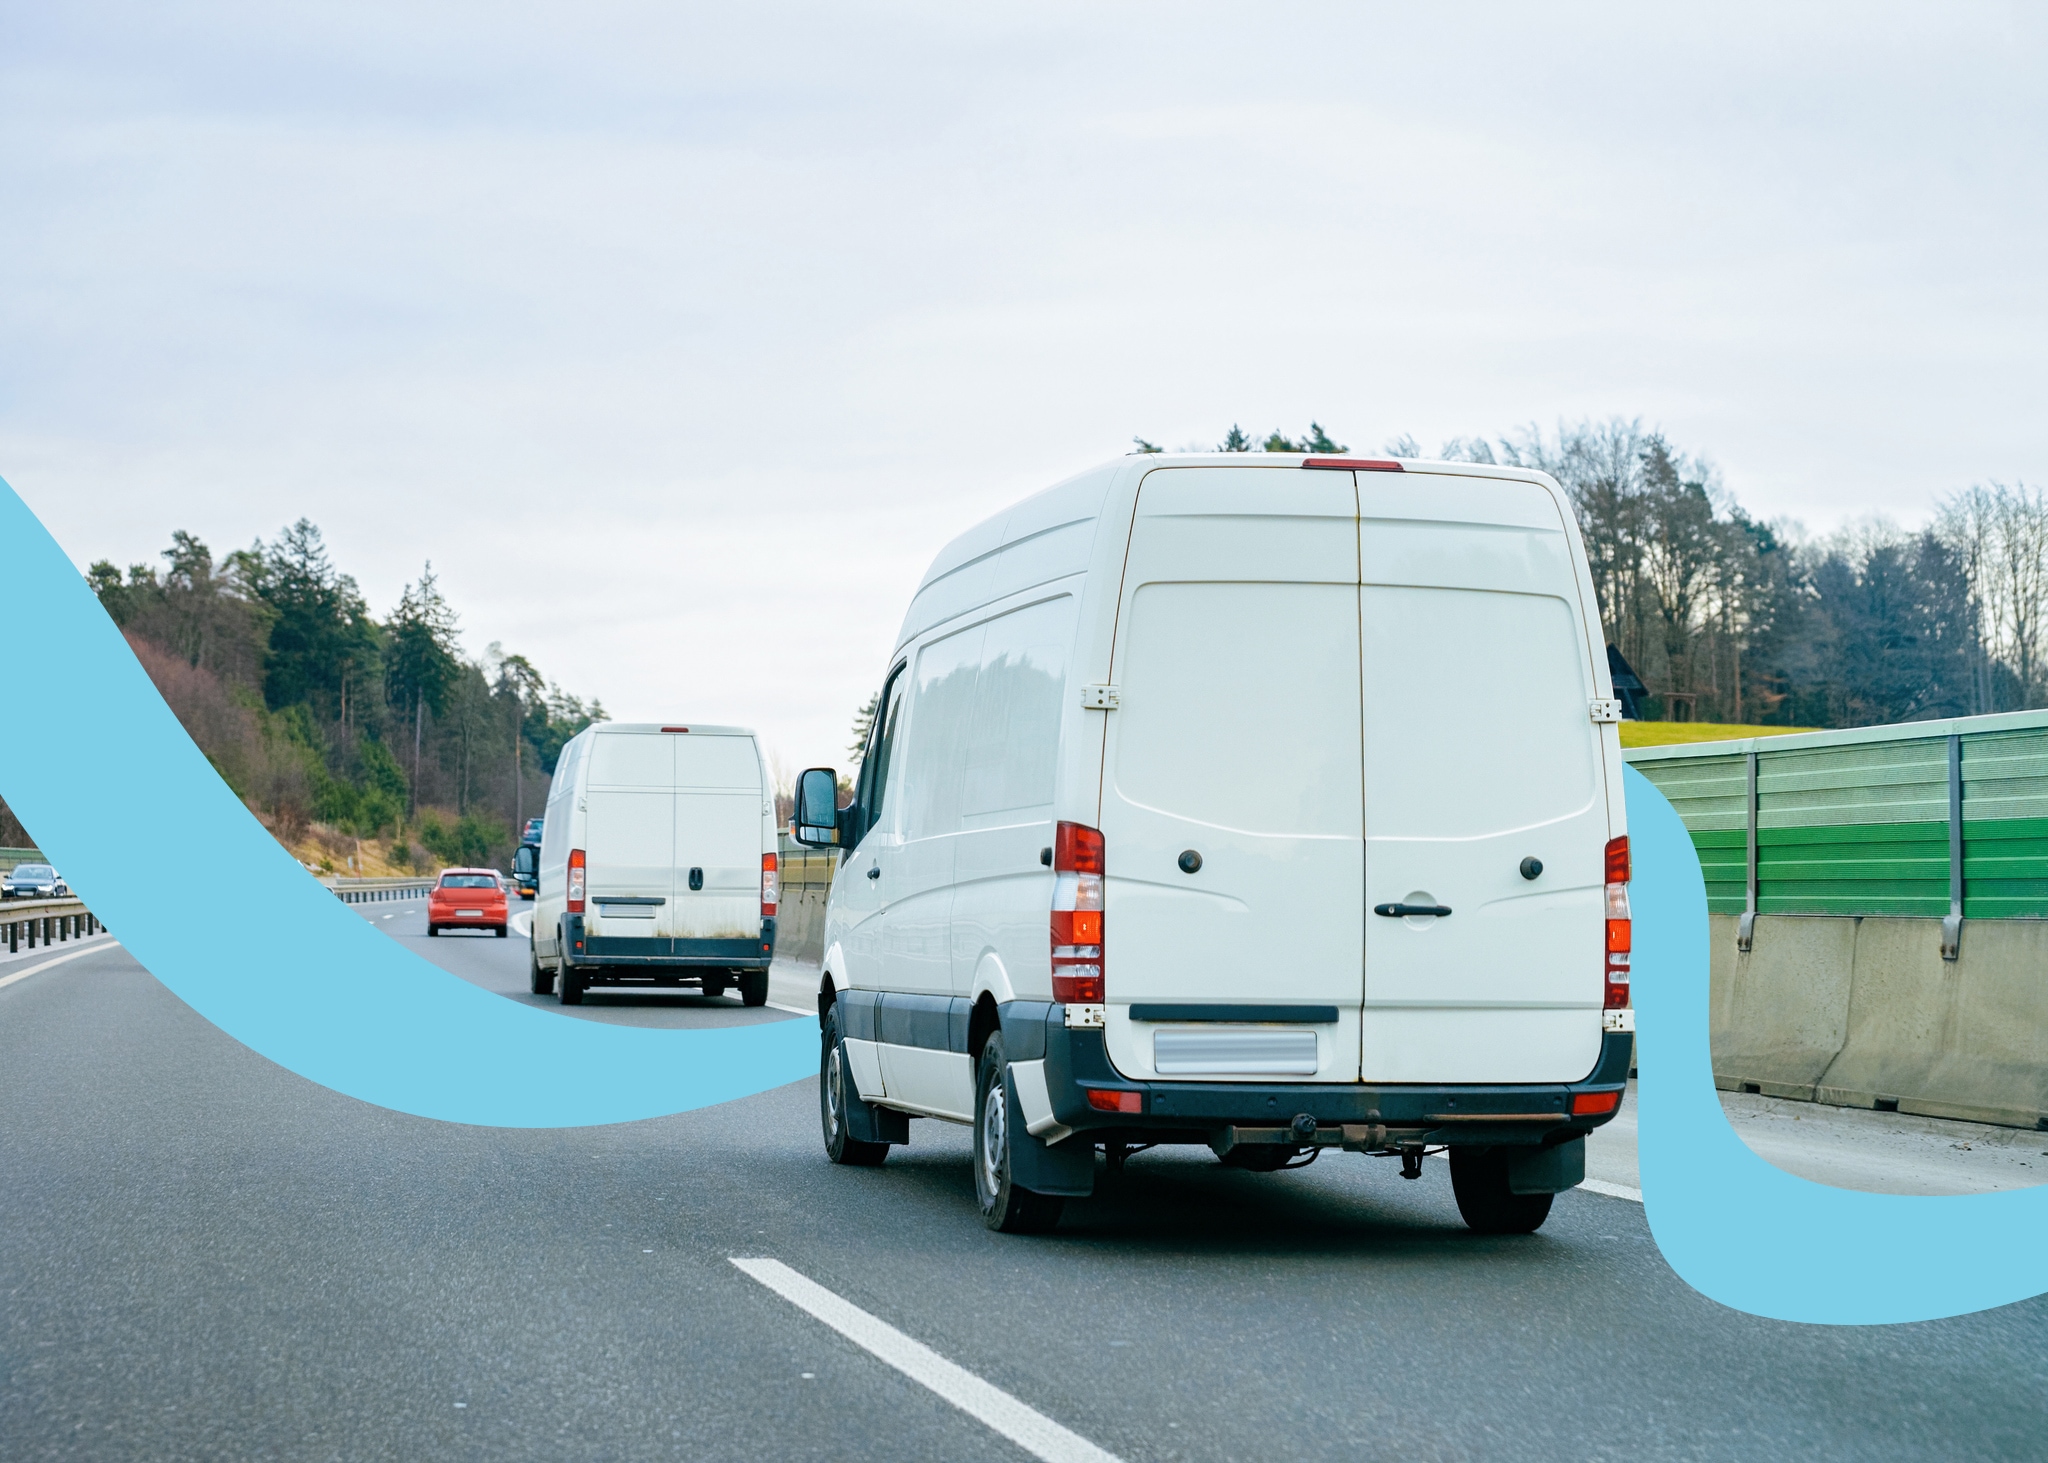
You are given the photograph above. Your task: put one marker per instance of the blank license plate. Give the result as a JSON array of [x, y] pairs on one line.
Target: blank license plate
[[469, 914], [1239, 1051]]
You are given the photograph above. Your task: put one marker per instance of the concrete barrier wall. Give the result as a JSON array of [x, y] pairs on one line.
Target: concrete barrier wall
[[806, 877], [1862, 1011]]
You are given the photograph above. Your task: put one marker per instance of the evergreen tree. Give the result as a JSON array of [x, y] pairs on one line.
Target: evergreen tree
[[1236, 441]]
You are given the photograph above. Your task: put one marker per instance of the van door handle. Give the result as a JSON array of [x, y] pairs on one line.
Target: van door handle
[[875, 871], [1402, 911]]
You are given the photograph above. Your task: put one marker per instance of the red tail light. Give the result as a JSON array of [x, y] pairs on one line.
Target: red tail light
[[1104, 1100], [575, 881], [1620, 929], [771, 886], [1077, 862], [1593, 1104]]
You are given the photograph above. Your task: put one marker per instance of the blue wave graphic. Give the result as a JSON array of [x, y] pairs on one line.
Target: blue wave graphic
[[1752, 1236], [268, 955]]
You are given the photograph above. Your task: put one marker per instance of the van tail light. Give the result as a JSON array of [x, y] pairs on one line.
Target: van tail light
[[1077, 860], [771, 886], [1594, 1104], [1620, 930], [575, 881]]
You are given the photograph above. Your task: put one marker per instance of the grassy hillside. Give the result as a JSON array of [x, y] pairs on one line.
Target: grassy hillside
[[1671, 733]]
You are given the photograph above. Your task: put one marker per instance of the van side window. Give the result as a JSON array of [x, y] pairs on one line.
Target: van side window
[[874, 768]]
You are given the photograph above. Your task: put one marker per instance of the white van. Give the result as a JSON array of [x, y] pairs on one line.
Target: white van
[[657, 863], [1266, 802]]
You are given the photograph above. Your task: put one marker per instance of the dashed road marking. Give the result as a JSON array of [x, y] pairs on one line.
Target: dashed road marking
[[990, 1405]]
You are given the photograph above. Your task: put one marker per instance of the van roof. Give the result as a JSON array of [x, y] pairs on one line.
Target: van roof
[[694, 728], [1079, 499]]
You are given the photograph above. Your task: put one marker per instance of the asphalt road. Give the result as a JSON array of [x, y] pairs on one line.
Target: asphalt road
[[203, 1256]]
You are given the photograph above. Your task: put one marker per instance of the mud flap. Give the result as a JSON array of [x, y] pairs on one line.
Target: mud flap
[[1548, 1170], [867, 1123], [1067, 1169]]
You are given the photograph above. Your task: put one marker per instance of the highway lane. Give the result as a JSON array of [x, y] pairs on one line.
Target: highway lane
[[206, 1257]]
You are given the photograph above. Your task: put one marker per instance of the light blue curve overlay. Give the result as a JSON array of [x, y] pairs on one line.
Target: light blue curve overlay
[[165, 854], [1752, 1236]]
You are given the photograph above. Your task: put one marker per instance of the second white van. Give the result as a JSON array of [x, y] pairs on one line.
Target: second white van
[[657, 863], [1271, 803]]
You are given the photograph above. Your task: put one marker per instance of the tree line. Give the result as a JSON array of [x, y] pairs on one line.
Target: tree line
[[312, 709], [1725, 617]]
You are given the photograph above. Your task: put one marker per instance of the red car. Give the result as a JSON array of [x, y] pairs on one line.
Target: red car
[[467, 899]]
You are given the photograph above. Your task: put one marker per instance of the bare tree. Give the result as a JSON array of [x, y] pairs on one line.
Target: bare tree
[[2000, 536]]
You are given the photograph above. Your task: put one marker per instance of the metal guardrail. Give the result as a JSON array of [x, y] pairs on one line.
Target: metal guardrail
[[52, 921], [371, 891]]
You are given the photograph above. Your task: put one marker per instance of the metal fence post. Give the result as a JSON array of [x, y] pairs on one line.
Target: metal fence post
[[1952, 926], [1745, 927]]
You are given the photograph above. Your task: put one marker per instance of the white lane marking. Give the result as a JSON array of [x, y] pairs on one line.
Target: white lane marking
[[525, 929], [106, 943], [1612, 1191], [793, 1010], [1030, 1430]]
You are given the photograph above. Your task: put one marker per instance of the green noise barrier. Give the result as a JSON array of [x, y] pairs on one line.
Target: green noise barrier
[[1946, 819]]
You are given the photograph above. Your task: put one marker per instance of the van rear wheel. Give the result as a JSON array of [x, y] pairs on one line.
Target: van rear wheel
[[572, 987], [539, 979], [1479, 1178], [753, 988], [1006, 1205]]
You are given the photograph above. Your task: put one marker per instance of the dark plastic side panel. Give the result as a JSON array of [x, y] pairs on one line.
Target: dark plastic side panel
[[857, 1011], [1024, 1028]]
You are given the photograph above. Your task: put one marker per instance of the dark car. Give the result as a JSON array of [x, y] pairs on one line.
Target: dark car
[[532, 833], [33, 881]]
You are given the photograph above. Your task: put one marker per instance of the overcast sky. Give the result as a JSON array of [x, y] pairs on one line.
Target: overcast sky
[[681, 337]]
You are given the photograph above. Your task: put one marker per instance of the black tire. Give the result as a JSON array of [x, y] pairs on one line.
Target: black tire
[[835, 1095], [571, 987], [714, 986], [1479, 1178], [501, 932], [753, 987], [433, 932], [1006, 1205], [539, 979], [1260, 1157]]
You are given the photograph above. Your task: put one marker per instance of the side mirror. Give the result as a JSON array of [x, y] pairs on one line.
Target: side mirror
[[816, 824]]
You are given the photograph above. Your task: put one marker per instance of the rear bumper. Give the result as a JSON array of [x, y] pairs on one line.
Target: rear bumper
[[1360, 1115], [490, 919], [650, 955]]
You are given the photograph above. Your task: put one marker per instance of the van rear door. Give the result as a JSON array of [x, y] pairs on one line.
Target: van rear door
[[1236, 751], [717, 859], [629, 832], [1480, 752]]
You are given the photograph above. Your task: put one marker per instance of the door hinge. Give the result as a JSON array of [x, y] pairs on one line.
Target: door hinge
[[1100, 698], [1604, 709]]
